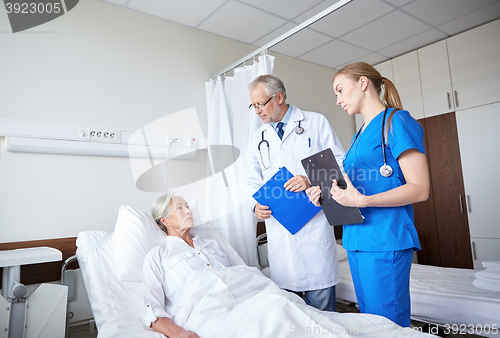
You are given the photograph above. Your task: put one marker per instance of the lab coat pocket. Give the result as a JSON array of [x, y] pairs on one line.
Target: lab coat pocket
[[303, 149]]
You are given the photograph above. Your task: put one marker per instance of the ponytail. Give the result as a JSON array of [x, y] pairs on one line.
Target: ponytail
[[391, 96], [391, 99]]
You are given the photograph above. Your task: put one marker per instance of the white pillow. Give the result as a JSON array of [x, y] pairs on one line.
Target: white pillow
[[341, 253], [135, 234]]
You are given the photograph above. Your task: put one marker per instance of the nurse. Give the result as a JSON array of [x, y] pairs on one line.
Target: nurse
[[307, 261], [386, 171]]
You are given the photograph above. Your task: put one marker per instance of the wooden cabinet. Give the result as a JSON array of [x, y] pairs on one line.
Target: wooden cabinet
[[442, 221], [475, 66], [407, 81], [435, 78]]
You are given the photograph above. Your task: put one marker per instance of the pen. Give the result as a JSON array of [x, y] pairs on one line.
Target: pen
[[309, 142]]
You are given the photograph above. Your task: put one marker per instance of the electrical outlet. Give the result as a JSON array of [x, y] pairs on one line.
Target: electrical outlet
[[104, 135]]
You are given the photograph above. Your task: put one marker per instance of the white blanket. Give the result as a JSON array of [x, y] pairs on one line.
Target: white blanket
[[241, 302]]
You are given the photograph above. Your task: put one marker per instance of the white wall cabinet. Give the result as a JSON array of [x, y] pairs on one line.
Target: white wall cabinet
[[385, 69], [484, 249], [475, 66], [435, 78], [407, 81], [479, 140]]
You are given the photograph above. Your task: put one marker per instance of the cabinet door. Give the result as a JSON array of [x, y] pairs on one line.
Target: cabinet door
[[443, 155], [435, 79], [475, 65], [479, 140], [407, 81], [485, 249]]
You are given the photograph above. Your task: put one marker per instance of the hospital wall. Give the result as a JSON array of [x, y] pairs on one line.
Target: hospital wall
[[106, 66]]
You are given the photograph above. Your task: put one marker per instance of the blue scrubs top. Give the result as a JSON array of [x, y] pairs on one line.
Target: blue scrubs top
[[384, 228]]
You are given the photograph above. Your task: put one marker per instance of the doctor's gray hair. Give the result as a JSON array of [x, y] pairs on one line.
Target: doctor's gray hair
[[272, 84], [161, 208]]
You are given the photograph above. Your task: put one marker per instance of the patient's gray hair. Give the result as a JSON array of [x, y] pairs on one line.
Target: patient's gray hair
[[160, 208], [272, 84]]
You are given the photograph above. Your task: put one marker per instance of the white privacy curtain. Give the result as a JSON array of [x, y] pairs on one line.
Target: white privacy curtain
[[230, 123]]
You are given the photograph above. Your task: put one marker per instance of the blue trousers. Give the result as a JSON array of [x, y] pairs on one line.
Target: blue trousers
[[322, 299], [382, 283]]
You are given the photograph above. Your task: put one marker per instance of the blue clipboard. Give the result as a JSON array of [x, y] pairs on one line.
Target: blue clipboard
[[293, 210]]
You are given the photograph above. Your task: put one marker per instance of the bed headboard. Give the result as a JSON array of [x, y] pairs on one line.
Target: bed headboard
[[44, 272]]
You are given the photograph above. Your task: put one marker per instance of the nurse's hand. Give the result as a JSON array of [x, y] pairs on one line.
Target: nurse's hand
[[349, 197], [297, 183], [314, 193], [262, 211]]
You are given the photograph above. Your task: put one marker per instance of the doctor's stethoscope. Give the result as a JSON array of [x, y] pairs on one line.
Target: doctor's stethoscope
[[298, 131], [385, 170]]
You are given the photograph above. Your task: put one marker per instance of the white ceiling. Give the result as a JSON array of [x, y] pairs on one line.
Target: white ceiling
[[363, 30]]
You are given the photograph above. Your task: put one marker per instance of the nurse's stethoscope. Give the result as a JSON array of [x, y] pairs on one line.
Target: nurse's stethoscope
[[298, 131], [386, 169]]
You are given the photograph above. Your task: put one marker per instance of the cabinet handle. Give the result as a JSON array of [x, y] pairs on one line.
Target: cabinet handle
[[456, 98], [474, 251], [449, 100], [468, 203], [461, 206]]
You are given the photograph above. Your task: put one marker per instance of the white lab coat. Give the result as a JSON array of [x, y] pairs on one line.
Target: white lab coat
[[307, 260]]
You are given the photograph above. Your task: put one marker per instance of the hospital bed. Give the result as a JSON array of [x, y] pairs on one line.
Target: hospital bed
[[442, 296], [111, 263]]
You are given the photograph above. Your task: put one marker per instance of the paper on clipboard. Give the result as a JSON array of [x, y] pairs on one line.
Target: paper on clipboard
[[322, 169], [293, 210]]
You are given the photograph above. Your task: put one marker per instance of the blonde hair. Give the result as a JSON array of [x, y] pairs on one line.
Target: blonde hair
[[391, 96], [160, 208]]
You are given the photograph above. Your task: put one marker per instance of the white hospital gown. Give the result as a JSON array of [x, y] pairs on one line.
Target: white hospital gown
[[169, 268]]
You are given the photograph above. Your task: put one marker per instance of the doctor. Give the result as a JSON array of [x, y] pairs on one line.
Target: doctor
[[307, 261]]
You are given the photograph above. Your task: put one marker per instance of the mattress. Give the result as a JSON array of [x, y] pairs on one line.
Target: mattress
[[442, 296]]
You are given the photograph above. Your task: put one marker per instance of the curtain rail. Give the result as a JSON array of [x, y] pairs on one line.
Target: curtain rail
[[286, 35]]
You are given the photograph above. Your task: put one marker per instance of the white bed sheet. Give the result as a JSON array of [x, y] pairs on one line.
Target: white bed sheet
[[234, 302], [440, 296]]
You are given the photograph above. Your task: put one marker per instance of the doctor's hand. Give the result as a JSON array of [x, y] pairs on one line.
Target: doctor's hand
[[314, 193], [297, 183], [349, 197], [262, 211]]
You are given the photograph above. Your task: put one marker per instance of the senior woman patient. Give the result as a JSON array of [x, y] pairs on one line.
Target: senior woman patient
[[169, 267], [188, 284]]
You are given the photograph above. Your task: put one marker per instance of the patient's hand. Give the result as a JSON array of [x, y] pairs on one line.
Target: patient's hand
[[314, 194], [186, 334], [169, 329]]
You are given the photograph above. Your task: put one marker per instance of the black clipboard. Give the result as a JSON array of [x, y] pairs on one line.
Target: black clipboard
[[322, 169]]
